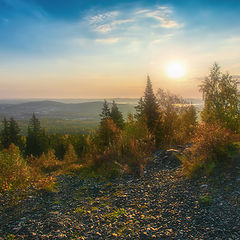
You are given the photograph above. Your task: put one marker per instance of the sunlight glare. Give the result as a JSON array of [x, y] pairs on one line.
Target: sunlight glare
[[175, 70]]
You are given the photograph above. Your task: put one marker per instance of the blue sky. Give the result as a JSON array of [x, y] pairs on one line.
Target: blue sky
[[106, 48]]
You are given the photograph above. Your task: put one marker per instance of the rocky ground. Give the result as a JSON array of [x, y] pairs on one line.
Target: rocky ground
[[162, 204]]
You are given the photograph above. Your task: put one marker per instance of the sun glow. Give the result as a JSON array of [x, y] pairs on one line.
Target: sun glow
[[175, 70]]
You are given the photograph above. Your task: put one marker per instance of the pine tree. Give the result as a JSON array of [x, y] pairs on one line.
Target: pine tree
[[14, 133], [150, 105], [10, 133], [116, 116], [105, 111], [37, 141], [5, 134], [139, 109]]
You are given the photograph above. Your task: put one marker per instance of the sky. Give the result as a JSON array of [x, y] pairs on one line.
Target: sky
[[104, 49]]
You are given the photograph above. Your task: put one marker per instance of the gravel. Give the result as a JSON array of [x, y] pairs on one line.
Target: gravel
[[163, 204]]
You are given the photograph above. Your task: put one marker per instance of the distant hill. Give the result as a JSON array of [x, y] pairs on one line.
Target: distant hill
[[58, 110], [70, 100], [68, 109]]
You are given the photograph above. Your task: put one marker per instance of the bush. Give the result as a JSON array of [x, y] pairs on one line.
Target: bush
[[46, 162], [70, 156], [135, 145], [14, 171], [107, 133], [210, 148], [128, 151]]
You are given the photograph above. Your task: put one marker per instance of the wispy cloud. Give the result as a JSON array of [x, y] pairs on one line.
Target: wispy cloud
[[100, 18], [107, 40], [103, 28], [142, 11], [165, 23], [162, 15], [108, 21], [121, 21], [165, 9]]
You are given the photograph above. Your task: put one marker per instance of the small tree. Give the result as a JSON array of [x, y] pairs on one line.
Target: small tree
[[139, 109], [116, 116], [70, 155], [188, 123], [36, 141], [150, 106], [11, 133], [14, 133], [105, 111], [5, 139], [108, 132], [221, 99]]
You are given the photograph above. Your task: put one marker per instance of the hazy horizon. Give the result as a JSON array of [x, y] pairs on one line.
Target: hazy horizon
[[118, 100]]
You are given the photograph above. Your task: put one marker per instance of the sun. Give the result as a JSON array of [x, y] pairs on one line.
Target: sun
[[175, 70]]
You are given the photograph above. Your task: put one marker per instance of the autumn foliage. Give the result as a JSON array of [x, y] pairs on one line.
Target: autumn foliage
[[210, 147]]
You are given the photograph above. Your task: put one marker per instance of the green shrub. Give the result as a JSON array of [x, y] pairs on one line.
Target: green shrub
[[108, 133], [210, 148], [70, 156], [46, 162], [14, 171], [128, 151]]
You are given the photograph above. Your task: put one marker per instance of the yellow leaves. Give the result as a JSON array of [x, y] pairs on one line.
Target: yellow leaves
[[14, 171]]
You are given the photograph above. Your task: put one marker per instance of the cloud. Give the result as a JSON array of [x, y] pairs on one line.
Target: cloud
[[121, 21], [104, 28], [142, 11], [107, 40], [100, 18], [165, 9], [106, 22], [162, 16], [108, 27], [169, 24]]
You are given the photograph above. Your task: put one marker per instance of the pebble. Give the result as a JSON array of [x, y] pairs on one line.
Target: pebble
[[162, 204]]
